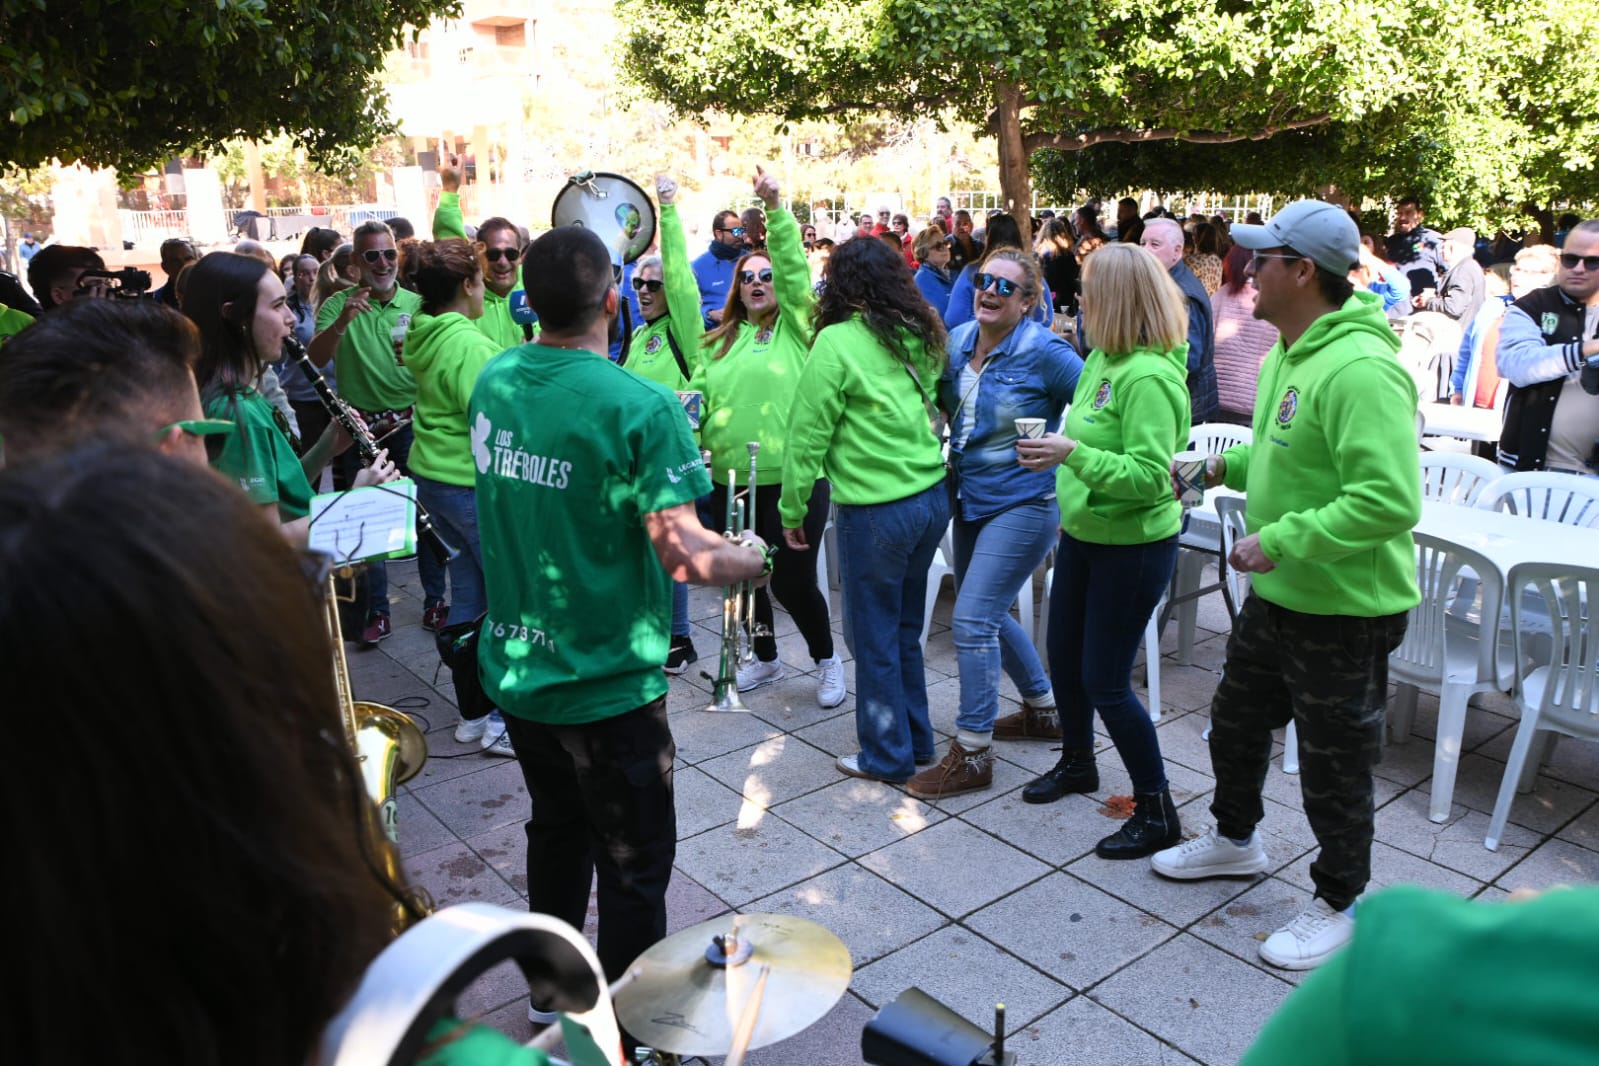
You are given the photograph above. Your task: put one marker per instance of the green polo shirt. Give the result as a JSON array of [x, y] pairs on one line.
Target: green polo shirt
[[571, 453], [370, 377], [257, 455]]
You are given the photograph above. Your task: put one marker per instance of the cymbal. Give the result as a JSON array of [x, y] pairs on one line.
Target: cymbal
[[681, 1003]]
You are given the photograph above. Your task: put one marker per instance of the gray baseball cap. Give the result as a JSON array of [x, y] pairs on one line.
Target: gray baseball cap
[[1315, 229]]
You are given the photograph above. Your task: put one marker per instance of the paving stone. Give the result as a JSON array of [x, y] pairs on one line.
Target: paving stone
[[954, 867], [1057, 832], [688, 903], [871, 916], [1186, 688], [1551, 803], [740, 863], [454, 874], [1083, 1031], [1482, 725], [702, 734], [1240, 926], [493, 796], [1390, 866], [501, 986], [505, 851], [1039, 756], [1553, 863], [1206, 1002], [1457, 843], [856, 816], [835, 1038], [1176, 902], [1070, 929], [702, 802], [967, 974], [835, 735], [772, 771], [1584, 830], [420, 830]]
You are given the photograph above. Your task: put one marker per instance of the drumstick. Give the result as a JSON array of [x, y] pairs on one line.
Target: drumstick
[[745, 1032], [552, 1035]]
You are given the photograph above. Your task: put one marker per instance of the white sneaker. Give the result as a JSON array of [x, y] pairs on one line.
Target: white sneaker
[[830, 690], [1211, 855], [1310, 939], [496, 741], [541, 1017], [759, 673], [469, 729]]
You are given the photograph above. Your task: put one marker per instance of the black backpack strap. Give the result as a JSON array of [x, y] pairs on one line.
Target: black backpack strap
[[677, 353]]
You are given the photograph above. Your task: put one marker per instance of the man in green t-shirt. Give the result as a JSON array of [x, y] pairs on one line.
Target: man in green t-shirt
[[586, 481], [362, 332], [1334, 490]]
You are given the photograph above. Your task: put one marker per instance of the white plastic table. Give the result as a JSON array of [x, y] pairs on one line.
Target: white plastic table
[[1466, 423]]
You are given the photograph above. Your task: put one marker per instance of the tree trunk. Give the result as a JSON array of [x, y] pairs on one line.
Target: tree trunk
[[1015, 182]]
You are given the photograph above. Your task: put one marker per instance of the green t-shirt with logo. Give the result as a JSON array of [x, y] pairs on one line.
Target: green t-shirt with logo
[[371, 377], [257, 455], [571, 453]]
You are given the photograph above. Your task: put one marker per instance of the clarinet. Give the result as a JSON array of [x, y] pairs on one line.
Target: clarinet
[[365, 446]]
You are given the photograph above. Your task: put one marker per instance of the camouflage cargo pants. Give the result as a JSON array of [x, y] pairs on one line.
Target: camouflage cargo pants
[[1329, 674]]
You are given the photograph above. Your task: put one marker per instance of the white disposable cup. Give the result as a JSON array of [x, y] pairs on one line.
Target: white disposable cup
[[1189, 470], [693, 401], [1030, 428]]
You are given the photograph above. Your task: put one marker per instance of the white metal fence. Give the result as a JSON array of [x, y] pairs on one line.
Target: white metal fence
[[150, 228]]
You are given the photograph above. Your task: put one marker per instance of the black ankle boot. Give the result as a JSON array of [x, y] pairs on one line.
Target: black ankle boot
[[1153, 827], [1074, 773]]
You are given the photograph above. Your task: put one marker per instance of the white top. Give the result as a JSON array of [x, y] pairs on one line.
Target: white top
[[967, 386]]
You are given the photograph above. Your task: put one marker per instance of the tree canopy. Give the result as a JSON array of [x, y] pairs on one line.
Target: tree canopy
[[1472, 104], [131, 83]]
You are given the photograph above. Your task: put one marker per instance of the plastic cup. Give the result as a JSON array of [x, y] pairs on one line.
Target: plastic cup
[[692, 401], [1030, 428], [1188, 469]]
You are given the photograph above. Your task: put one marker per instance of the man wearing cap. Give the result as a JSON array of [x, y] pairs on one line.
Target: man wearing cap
[[1463, 288], [1333, 492]]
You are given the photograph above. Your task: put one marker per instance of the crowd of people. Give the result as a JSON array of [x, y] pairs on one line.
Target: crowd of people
[[1024, 397]]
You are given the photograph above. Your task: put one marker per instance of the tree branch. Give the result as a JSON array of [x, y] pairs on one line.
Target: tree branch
[[1077, 142]]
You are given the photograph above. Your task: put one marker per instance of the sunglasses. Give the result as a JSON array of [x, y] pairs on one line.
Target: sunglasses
[[1003, 286], [737, 231], [373, 255], [494, 255], [647, 284], [749, 276], [1256, 259], [1589, 262]]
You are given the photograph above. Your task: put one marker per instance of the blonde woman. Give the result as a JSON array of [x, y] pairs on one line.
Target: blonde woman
[[1119, 525]]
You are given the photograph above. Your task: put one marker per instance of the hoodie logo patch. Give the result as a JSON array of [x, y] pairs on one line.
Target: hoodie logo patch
[[1102, 395], [653, 345], [1288, 407], [763, 335]]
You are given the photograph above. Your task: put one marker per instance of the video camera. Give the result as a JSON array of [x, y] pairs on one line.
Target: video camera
[[129, 283]]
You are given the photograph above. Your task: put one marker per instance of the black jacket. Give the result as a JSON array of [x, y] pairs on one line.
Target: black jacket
[[1530, 409]]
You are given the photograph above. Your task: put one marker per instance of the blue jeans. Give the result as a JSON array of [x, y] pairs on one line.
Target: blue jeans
[[1098, 609], [679, 609], [993, 557], [454, 512], [429, 570], [885, 550]]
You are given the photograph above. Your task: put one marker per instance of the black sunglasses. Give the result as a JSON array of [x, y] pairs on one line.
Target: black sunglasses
[[748, 276], [494, 255], [647, 284], [372, 255], [1589, 262], [737, 231], [1003, 286]]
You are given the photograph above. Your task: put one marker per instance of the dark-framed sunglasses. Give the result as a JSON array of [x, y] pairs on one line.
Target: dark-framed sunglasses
[[1589, 262], [494, 255], [373, 255], [647, 284], [749, 276], [737, 231], [1003, 286]]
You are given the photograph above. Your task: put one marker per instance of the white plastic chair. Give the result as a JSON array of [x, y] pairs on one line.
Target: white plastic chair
[[1552, 497], [1446, 655], [1213, 438], [943, 566], [1558, 697], [1199, 541], [1450, 477]]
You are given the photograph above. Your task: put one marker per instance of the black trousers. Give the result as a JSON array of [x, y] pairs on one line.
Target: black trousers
[[1328, 674], [793, 573], [602, 802]]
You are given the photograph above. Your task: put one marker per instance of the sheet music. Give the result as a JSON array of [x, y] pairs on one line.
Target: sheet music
[[375, 522]]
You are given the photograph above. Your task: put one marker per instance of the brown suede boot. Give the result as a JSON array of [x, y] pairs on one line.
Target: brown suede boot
[[1029, 723], [959, 771]]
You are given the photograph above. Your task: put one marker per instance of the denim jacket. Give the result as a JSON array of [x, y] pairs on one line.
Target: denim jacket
[[1031, 374]]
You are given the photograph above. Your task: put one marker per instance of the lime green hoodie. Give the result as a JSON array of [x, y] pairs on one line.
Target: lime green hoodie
[[1129, 417], [651, 355], [1333, 476], [748, 391], [496, 323], [445, 353], [862, 419]]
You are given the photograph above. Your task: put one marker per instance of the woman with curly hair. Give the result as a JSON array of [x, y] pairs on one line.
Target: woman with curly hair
[[861, 416], [747, 369]]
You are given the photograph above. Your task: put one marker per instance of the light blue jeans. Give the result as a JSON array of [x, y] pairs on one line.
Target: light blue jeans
[[993, 557], [454, 512]]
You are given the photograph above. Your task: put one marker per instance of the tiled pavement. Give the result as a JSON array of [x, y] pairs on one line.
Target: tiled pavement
[[981, 898]]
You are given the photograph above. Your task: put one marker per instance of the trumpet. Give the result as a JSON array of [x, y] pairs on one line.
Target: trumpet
[[739, 628]]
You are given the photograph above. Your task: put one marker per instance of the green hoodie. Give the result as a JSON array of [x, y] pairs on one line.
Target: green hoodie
[[651, 355], [748, 391], [496, 323], [445, 353], [1129, 417], [1333, 477], [861, 418]]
